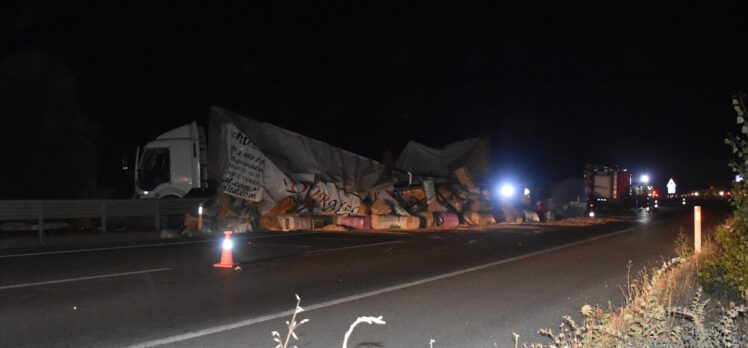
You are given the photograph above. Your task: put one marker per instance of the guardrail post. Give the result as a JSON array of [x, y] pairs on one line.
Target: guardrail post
[[697, 229], [40, 228], [156, 216], [103, 217]]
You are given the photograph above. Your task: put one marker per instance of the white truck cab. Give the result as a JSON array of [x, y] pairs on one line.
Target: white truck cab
[[173, 165]]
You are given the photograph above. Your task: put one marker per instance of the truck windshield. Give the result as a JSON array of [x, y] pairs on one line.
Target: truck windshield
[[154, 168]]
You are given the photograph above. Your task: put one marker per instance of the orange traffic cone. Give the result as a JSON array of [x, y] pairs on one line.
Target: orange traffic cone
[[227, 257]]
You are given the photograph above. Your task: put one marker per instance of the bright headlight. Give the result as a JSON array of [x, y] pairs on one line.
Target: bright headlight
[[507, 190]]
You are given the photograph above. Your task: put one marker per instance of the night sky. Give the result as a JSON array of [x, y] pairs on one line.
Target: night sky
[[554, 86]]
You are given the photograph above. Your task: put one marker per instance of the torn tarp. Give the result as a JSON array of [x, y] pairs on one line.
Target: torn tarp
[[473, 154], [283, 163]]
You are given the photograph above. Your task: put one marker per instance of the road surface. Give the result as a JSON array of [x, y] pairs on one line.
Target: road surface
[[459, 288]]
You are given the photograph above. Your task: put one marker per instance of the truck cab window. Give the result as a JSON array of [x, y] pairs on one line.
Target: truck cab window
[[154, 168]]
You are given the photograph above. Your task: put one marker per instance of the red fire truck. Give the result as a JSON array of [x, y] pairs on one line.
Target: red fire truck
[[607, 189]]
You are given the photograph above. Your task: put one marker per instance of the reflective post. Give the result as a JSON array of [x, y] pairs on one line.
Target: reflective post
[[697, 229], [200, 217]]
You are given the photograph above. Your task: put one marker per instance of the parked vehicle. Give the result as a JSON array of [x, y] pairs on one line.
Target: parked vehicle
[[607, 189]]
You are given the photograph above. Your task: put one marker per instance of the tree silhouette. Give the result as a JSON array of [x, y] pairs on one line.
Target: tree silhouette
[[46, 142]]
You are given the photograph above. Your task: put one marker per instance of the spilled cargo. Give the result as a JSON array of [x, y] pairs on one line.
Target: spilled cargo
[[263, 177]]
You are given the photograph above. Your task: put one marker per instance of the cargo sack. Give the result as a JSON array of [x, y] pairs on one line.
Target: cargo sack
[[364, 209], [435, 207], [463, 176], [479, 206], [321, 221], [191, 221], [293, 222], [445, 192], [380, 208], [480, 219], [356, 222], [511, 214], [531, 216], [381, 222], [447, 220], [284, 206]]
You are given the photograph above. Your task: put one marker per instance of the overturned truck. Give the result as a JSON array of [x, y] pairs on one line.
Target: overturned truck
[[263, 177]]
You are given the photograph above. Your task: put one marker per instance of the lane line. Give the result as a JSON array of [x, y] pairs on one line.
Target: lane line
[[356, 246], [279, 315], [110, 275], [261, 244], [137, 246]]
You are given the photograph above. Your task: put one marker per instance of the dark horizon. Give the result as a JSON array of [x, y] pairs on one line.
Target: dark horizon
[[554, 87]]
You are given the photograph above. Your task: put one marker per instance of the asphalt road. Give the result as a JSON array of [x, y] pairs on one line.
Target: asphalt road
[[462, 289]]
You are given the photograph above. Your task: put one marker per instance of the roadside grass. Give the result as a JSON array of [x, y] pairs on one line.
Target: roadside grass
[[663, 307]]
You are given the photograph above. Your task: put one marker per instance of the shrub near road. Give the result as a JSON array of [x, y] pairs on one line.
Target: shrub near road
[[727, 270], [665, 307]]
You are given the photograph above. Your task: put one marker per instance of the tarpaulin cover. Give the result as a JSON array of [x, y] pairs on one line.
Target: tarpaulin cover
[[290, 162], [473, 153]]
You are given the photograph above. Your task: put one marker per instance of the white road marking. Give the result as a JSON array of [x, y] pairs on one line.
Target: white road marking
[[279, 315], [146, 245], [356, 246], [110, 275], [261, 244]]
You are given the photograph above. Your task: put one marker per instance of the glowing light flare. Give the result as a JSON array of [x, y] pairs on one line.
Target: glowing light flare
[[200, 210], [592, 214], [722, 193], [507, 190], [227, 244], [644, 179]]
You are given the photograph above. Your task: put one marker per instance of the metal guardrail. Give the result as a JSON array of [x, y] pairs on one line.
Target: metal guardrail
[[40, 210]]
